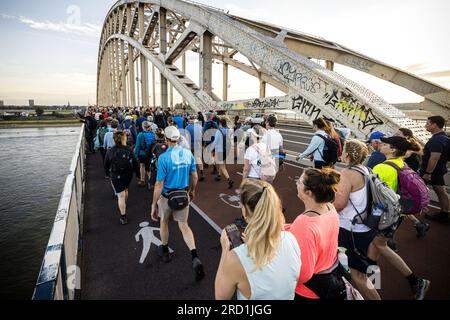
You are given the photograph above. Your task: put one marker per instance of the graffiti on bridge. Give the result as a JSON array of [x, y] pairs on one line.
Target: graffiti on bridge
[[291, 74], [306, 107], [353, 110], [270, 103]]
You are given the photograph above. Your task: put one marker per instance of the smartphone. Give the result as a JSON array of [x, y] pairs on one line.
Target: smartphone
[[234, 235]]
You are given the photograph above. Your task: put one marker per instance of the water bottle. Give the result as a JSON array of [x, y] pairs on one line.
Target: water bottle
[[343, 259], [377, 211]]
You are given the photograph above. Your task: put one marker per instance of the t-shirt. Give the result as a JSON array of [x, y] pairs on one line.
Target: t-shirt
[[179, 122], [274, 140], [317, 238], [389, 174], [376, 158], [252, 155], [174, 168], [437, 143]]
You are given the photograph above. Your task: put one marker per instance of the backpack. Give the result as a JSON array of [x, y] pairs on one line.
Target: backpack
[[147, 141], [157, 150], [330, 150], [101, 135], [121, 162], [128, 132], [268, 165], [383, 204], [412, 189]]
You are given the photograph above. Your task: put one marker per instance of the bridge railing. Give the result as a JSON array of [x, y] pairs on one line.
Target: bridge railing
[[59, 277]]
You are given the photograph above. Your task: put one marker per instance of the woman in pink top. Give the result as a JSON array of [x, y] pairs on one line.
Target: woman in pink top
[[316, 231]]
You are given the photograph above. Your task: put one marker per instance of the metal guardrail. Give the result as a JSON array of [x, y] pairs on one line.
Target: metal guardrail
[[60, 275]]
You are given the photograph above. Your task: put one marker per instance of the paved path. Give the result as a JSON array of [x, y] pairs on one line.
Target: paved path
[[111, 268]]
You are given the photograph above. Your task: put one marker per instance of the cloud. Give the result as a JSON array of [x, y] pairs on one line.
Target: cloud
[[85, 29]]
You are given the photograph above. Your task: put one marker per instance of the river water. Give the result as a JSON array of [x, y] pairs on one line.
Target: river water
[[34, 164]]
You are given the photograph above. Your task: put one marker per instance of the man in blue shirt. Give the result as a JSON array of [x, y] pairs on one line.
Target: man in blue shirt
[[176, 172], [179, 120], [434, 166], [196, 133], [376, 157]]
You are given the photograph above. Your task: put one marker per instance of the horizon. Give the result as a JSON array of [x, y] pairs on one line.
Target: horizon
[[67, 35]]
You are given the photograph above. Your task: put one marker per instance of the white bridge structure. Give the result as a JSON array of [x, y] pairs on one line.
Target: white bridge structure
[[136, 33]]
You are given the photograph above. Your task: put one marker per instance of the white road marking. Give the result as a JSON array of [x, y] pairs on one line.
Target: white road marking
[[207, 219]]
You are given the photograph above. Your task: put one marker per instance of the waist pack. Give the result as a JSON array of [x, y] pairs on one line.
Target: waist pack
[[177, 199], [329, 284]]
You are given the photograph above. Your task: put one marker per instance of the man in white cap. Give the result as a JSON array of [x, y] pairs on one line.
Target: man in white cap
[[176, 180]]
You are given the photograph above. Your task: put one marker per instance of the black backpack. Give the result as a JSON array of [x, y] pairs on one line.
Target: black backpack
[[330, 150], [121, 162]]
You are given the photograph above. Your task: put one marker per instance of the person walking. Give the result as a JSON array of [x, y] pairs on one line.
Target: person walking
[[376, 157], [317, 147], [120, 164], [351, 200], [434, 166], [175, 187], [196, 134], [316, 231], [395, 148], [221, 146], [142, 151], [267, 265]]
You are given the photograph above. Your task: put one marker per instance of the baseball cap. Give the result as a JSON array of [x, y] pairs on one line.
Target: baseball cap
[[377, 135], [397, 142], [172, 133]]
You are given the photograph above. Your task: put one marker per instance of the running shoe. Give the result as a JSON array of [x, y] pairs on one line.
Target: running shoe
[[165, 256], [198, 269], [230, 184], [123, 220], [422, 229], [420, 290]]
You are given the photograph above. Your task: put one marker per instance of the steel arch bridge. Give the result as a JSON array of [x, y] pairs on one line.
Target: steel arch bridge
[[161, 32]]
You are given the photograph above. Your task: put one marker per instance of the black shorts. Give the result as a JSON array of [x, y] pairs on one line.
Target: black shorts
[[146, 161], [357, 248], [121, 183], [437, 180]]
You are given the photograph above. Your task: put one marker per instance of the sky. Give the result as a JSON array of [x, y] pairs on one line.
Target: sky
[[50, 47]]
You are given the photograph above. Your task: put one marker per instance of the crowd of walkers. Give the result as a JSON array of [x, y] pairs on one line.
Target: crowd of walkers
[[331, 248]]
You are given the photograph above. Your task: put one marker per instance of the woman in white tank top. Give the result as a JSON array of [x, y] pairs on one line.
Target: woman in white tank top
[[351, 199], [267, 265]]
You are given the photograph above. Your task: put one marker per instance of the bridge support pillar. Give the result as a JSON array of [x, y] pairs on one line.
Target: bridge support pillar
[[124, 100], [163, 51], [144, 63], [206, 62], [225, 81], [171, 96], [183, 69], [131, 75], [153, 86], [329, 65], [262, 89]]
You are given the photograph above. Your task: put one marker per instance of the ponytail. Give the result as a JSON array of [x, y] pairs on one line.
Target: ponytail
[[265, 220]]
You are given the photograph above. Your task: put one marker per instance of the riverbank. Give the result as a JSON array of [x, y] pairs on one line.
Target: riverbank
[[39, 123]]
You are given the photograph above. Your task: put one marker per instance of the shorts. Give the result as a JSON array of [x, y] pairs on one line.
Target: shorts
[[146, 161], [437, 180], [164, 211], [220, 157], [121, 183], [357, 248]]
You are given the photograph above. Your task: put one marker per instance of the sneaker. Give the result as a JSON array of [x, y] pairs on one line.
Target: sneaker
[[218, 178], [123, 220], [202, 178], [141, 183], [421, 229], [420, 290], [198, 269], [230, 184], [441, 217], [392, 244], [165, 256]]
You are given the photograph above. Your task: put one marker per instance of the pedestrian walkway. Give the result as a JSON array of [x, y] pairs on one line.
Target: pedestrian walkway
[[111, 254]]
